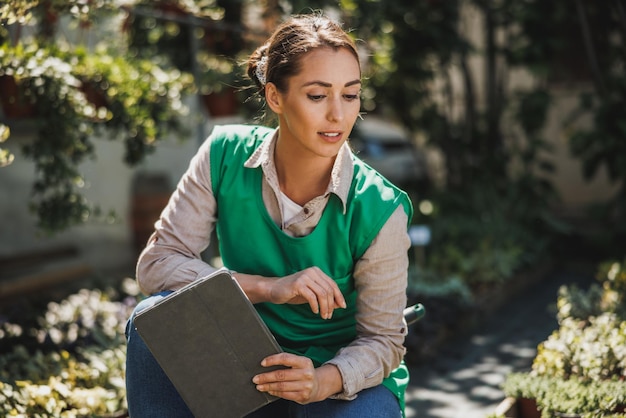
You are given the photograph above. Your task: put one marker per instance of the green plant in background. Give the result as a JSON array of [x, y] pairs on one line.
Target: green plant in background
[[74, 94], [591, 340], [217, 73], [6, 157], [581, 367], [554, 395], [594, 349], [582, 45], [142, 101], [606, 296], [71, 363]]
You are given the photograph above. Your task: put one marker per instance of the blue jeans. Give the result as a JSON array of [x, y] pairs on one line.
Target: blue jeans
[[150, 394]]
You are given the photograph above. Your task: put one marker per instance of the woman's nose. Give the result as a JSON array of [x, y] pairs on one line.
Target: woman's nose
[[335, 110]]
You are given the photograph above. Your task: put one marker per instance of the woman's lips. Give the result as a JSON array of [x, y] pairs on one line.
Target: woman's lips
[[331, 136]]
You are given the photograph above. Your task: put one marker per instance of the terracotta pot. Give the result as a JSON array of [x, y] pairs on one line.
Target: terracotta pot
[[527, 408], [150, 194], [94, 95], [14, 104], [223, 103]]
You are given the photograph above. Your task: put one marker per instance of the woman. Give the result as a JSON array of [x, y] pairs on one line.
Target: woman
[[316, 239]]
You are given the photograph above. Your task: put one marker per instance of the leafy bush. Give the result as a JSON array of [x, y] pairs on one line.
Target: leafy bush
[[591, 350], [486, 235], [607, 296], [581, 367], [72, 364], [591, 340], [553, 394]]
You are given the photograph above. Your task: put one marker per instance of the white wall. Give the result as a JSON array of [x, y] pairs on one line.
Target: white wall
[[105, 246]]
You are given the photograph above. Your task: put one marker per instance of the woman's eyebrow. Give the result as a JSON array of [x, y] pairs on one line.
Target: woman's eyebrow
[[325, 84]]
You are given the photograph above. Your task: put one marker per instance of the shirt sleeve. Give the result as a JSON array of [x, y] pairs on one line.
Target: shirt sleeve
[[381, 282], [172, 257]]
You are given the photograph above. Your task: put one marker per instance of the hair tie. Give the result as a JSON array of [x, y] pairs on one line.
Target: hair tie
[[261, 69]]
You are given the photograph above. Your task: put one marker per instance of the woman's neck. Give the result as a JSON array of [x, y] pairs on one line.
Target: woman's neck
[[302, 176]]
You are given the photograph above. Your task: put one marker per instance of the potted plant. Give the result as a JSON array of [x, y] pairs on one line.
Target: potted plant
[[580, 370], [552, 396], [158, 29], [141, 102], [218, 80]]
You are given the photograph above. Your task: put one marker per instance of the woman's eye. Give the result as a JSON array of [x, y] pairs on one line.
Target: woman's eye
[[351, 97], [315, 97]]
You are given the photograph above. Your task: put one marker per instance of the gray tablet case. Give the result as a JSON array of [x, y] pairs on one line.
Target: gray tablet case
[[210, 341]]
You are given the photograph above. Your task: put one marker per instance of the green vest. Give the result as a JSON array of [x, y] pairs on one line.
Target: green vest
[[250, 242]]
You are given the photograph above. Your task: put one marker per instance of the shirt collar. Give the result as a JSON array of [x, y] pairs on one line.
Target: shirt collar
[[340, 176]]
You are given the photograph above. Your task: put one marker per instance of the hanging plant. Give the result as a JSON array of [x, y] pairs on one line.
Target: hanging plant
[[142, 102]]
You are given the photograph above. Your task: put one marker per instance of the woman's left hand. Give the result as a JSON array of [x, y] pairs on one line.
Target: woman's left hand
[[300, 381]]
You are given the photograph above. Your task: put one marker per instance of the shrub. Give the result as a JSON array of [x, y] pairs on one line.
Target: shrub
[[581, 367], [553, 394], [72, 363]]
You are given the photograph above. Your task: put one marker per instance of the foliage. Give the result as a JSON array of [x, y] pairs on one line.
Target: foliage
[[72, 364], [594, 349], [217, 73], [486, 234], [607, 296], [591, 340], [581, 367], [582, 42], [430, 284], [553, 394], [88, 383], [199, 38], [6, 157], [140, 102]]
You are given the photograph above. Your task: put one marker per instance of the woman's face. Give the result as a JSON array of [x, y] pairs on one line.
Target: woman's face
[[321, 104]]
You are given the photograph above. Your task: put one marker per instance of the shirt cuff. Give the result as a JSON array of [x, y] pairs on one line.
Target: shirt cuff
[[349, 378]]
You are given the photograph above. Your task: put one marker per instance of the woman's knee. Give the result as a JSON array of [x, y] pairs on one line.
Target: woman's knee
[[144, 304]]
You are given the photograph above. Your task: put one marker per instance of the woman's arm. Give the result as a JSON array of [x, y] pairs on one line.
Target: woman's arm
[[381, 282], [171, 258]]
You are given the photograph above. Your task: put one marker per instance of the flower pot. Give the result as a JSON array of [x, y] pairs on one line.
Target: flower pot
[[512, 407], [527, 408], [15, 104], [222, 103], [150, 194], [94, 95]]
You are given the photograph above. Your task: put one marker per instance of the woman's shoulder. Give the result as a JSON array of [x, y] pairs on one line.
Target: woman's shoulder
[[240, 132]]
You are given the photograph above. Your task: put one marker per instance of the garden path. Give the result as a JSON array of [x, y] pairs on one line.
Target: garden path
[[464, 380]]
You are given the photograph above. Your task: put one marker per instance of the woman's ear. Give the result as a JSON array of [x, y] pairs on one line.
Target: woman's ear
[[273, 98]]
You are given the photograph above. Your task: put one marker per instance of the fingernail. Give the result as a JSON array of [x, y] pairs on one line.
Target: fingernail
[[255, 379]]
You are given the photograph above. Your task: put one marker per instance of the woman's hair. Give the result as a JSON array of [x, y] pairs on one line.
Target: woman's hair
[[279, 58]]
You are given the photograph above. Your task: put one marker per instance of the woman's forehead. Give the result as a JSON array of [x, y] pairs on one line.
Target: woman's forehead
[[328, 65]]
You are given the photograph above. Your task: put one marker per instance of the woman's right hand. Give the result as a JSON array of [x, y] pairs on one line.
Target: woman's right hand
[[310, 286]]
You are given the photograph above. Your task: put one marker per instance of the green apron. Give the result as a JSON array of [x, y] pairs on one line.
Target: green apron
[[250, 242]]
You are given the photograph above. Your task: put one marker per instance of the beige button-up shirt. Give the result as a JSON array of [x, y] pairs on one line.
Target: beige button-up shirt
[[172, 259]]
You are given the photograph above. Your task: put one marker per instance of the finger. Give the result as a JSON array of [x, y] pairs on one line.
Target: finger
[[311, 297], [333, 297], [324, 296], [296, 396], [287, 360], [340, 301], [288, 390]]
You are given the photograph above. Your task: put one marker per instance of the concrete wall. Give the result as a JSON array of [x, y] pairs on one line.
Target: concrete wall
[[576, 193]]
